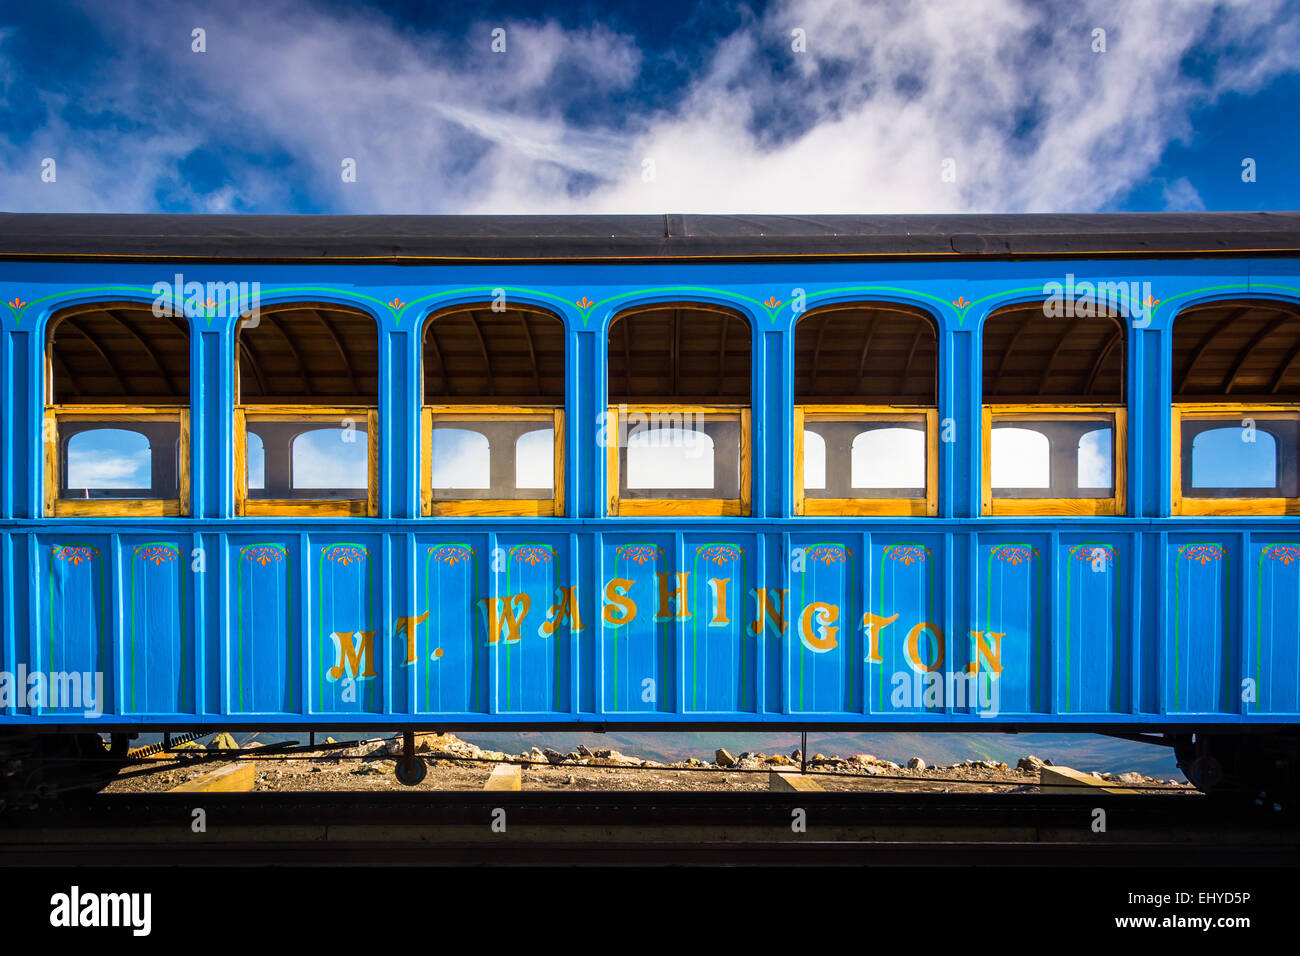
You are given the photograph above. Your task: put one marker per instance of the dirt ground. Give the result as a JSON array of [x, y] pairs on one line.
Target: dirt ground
[[454, 764]]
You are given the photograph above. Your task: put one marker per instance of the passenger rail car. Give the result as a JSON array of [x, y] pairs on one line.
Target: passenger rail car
[[955, 472]]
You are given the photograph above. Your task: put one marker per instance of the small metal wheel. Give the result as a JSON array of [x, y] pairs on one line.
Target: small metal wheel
[[411, 772]]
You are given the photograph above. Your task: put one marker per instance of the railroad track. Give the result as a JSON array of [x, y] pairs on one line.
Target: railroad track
[[639, 828]]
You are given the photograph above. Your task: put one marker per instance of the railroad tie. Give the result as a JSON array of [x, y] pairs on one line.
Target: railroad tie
[[505, 776]]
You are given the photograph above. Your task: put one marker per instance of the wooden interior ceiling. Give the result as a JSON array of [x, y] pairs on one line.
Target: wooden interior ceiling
[[866, 353], [309, 354], [119, 353], [477, 355], [680, 353], [1033, 357], [1239, 351]]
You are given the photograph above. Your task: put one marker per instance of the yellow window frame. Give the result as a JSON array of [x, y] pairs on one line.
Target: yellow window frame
[[552, 507], [926, 507], [307, 507], [1225, 506], [671, 507], [1115, 505], [57, 507]]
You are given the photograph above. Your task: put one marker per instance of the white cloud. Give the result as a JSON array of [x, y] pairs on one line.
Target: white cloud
[[1009, 90]]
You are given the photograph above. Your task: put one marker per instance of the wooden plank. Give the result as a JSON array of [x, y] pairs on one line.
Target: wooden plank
[[1068, 780], [793, 782], [236, 777], [505, 776]]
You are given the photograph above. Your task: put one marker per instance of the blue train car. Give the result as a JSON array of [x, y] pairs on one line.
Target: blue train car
[[956, 472]]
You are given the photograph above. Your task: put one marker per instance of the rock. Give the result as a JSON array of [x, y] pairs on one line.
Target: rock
[[554, 756], [723, 759], [1130, 778], [863, 758], [330, 740], [570, 779], [584, 752], [536, 756], [796, 755], [1029, 764], [916, 763], [188, 745], [223, 742]]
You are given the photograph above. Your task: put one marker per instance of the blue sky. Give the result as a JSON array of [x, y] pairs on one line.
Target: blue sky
[[671, 106]]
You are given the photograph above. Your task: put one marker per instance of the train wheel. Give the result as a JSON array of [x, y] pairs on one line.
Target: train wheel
[[411, 772], [1262, 767]]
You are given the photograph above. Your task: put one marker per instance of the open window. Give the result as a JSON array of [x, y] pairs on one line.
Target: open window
[[306, 415], [1236, 412], [493, 412], [865, 417], [117, 412], [678, 424], [1054, 422]]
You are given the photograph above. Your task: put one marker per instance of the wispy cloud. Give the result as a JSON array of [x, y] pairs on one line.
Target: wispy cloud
[[1011, 92]]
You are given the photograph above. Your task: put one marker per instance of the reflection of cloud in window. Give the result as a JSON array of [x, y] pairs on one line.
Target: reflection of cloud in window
[[1095, 459], [322, 459], [256, 455], [535, 459], [669, 458], [109, 458], [1220, 459], [814, 460], [889, 458], [1022, 458], [462, 458]]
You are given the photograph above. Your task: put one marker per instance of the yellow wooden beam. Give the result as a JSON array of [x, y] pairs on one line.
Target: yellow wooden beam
[[236, 777], [1068, 780], [505, 776], [796, 782]]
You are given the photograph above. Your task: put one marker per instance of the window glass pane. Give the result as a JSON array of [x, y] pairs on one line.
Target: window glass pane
[[329, 458], [255, 455], [814, 460], [889, 458], [103, 459], [873, 458], [679, 458], [462, 458], [1234, 457], [1096, 460], [535, 459], [1022, 458]]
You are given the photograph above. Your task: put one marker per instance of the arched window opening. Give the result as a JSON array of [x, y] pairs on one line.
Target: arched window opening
[[1236, 384], [677, 427], [494, 411], [256, 462], [117, 412], [1054, 415], [866, 377], [307, 387]]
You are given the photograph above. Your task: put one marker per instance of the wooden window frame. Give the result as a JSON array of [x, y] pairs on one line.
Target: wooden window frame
[[1225, 506], [57, 507], [306, 507], [1113, 506], [926, 507], [552, 507], [673, 507]]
